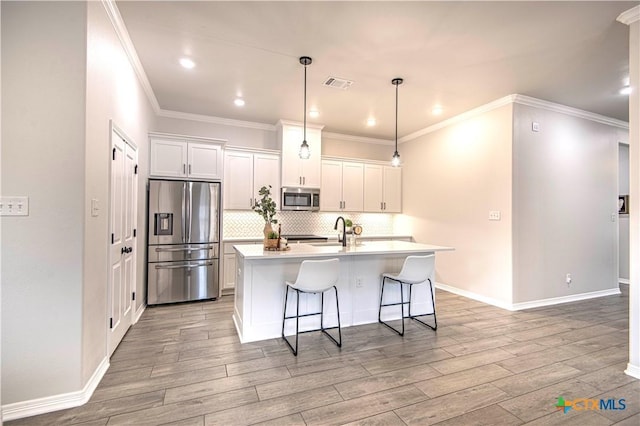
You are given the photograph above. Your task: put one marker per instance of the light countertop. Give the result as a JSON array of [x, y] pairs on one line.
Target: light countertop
[[332, 237], [301, 250]]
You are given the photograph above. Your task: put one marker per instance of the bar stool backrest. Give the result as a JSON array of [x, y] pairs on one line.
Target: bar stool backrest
[[417, 269], [317, 275]]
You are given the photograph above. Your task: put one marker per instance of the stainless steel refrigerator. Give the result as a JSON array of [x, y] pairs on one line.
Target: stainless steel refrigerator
[[183, 241]]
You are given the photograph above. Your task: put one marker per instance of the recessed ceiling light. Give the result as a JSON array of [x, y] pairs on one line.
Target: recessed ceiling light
[[437, 110], [239, 102], [626, 90], [187, 63], [371, 122], [314, 113]]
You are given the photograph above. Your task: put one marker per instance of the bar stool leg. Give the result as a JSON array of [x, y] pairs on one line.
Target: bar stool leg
[[433, 304], [402, 303], [324, 330], [297, 317]]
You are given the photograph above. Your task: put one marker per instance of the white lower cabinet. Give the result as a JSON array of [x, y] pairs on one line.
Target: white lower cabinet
[[229, 274], [229, 268]]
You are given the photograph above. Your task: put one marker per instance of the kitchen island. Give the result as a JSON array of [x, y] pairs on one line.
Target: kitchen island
[[261, 276]]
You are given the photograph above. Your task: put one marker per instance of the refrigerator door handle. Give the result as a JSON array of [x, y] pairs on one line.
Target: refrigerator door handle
[[189, 211], [184, 213], [184, 266], [159, 250]]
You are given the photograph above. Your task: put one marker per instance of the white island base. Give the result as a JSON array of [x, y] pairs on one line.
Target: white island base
[[260, 286]]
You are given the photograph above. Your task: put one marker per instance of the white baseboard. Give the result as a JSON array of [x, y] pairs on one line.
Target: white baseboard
[[139, 313], [633, 371], [531, 304], [474, 296], [34, 407], [623, 281], [565, 299]]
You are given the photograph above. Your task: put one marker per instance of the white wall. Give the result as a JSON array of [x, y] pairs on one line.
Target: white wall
[[65, 77], [113, 93], [633, 368], [336, 147], [623, 219], [43, 149], [565, 193], [236, 136], [452, 178]]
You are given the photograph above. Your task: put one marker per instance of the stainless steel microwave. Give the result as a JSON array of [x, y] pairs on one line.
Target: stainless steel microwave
[[300, 199]]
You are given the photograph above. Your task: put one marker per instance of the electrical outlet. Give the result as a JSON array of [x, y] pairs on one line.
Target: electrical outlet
[[494, 215], [535, 126], [359, 282], [568, 279]]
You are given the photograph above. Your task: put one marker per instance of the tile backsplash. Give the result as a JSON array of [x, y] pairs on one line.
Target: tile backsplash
[[249, 224]]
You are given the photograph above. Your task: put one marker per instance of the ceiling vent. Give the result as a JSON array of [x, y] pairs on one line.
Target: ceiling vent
[[338, 83]]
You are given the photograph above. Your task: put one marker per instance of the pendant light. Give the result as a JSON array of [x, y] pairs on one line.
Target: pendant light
[[395, 160], [305, 153]]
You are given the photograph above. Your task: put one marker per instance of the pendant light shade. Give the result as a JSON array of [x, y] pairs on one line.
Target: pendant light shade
[[395, 160], [305, 152]]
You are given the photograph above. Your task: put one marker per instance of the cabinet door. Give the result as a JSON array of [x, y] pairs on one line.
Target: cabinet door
[[372, 188], [311, 167], [229, 267], [392, 189], [238, 180], [291, 140], [205, 161], [352, 186], [168, 158], [266, 171], [331, 186]]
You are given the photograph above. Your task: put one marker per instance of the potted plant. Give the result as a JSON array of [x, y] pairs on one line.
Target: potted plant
[[266, 208], [348, 223], [271, 240]]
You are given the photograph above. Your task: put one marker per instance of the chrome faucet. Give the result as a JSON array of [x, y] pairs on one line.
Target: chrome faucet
[[344, 231]]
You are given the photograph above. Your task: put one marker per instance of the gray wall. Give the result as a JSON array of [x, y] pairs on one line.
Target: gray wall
[[565, 193], [43, 138], [451, 179], [623, 219]]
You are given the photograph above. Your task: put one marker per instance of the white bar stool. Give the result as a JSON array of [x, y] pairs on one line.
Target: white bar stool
[[415, 270], [314, 276]]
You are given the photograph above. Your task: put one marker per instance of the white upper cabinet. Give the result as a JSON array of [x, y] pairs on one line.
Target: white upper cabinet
[[175, 157], [382, 188], [245, 173], [342, 186], [298, 172]]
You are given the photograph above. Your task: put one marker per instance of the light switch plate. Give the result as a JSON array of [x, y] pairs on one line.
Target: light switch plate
[[494, 215], [535, 126], [95, 207], [14, 206]]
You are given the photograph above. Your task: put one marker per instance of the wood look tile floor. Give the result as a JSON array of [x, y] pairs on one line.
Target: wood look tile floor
[[184, 365]]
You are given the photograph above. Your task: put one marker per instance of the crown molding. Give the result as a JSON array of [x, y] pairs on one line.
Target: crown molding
[[299, 124], [522, 100], [122, 33], [630, 16], [352, 138], [215, 120], [550, 106], [460, 117]]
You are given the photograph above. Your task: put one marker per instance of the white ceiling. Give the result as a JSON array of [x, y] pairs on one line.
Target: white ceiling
[[460, 55]]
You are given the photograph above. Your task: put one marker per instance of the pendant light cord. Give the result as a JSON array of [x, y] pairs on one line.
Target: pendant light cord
[[304, 136], [397, 117]]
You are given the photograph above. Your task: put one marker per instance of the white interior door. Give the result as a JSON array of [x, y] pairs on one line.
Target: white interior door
[[122, 253]]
